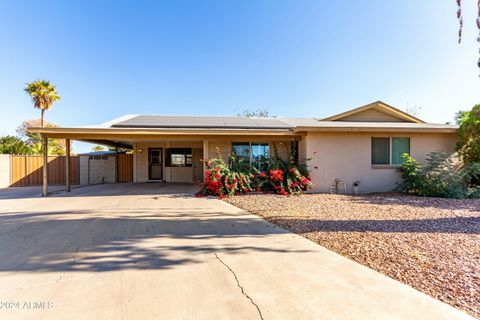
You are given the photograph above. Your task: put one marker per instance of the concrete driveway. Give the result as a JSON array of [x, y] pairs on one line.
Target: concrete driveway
[[153, 251]]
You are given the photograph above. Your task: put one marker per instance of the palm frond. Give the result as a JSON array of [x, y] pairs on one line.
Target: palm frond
[[43, 94]]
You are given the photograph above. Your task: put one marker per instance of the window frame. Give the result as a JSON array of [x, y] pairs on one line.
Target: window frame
[[390, 150], [185, 152], [250, 152]]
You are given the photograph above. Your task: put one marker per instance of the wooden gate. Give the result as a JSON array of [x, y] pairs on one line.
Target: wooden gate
[[124, 167], [27, 170]]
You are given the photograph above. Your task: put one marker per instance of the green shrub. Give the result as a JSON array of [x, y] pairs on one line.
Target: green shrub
[[441, 176]]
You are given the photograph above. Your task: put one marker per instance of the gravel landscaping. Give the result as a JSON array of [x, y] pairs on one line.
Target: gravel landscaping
[[430, 244]]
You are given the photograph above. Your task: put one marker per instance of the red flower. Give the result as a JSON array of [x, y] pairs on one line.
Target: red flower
[[262, 174], [276, 175], [305, 181], [292, 170]]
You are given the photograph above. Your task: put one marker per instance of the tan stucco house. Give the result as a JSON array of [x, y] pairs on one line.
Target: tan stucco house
[[363, 144]]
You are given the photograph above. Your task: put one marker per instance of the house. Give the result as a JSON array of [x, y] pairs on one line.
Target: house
[[364, 144]]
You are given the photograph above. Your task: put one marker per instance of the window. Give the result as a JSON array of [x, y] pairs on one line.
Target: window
[[399, 147], [253, 153], [389, 151], [241, 150], [260, 153], [179, 157], [380, 150]]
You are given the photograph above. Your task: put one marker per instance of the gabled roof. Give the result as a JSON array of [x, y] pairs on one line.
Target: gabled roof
[[391, 114]]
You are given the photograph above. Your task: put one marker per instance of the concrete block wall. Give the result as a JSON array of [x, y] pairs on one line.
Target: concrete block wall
[[4, 170], [83, 170], [95, 170]]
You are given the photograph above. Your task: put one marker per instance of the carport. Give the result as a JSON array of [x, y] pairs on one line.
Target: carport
[[176, 152]]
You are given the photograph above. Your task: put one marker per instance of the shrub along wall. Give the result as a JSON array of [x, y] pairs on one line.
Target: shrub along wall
[[441, 176]]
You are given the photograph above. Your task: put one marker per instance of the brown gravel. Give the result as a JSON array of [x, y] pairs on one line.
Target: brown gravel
[[430, 244]]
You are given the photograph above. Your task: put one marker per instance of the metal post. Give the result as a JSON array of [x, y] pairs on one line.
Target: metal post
[[67, 165], [45, 166]]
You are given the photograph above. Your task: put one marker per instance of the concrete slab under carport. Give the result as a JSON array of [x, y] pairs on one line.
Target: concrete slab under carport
[[153, 251]]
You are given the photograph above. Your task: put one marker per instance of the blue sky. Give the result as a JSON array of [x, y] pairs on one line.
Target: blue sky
[[295, 58]]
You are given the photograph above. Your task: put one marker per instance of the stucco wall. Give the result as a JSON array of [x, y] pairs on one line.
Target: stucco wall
[[4, 170], [347, 156], [174, 174], [191, 174]]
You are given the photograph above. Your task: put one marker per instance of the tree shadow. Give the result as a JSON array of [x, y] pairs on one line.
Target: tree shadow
[[463, 225], [85, 240]]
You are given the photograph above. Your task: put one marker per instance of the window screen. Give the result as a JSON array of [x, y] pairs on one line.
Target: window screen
[[399, 147], [380, 150]]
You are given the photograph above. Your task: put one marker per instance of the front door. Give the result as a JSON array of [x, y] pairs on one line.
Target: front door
[[155, 161]]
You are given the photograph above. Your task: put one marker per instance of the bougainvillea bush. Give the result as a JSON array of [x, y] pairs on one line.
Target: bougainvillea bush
[[236, 177], [285, 177]]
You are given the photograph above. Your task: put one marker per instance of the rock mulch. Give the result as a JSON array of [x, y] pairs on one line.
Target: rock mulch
[[431, 244]]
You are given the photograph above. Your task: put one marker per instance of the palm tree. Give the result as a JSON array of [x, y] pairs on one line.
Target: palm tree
[[43, 95]]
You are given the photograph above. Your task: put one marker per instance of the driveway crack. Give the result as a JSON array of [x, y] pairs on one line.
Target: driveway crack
[[240, 286]]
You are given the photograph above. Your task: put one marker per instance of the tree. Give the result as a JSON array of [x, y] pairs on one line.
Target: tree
[[34, 141], [413, 110], [43, 95], [460, 22], [97, 148], [259, 113], [468, 145], [13, 145]]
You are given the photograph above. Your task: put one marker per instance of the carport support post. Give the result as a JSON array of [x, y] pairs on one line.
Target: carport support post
[[45, 166], [67, 165], [205, 157]]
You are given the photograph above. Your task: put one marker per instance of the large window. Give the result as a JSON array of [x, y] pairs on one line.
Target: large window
[[253, 153], [389, 151], [179, 157]]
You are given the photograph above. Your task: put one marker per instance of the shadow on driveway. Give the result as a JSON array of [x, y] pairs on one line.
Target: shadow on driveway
[[85, 240]]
